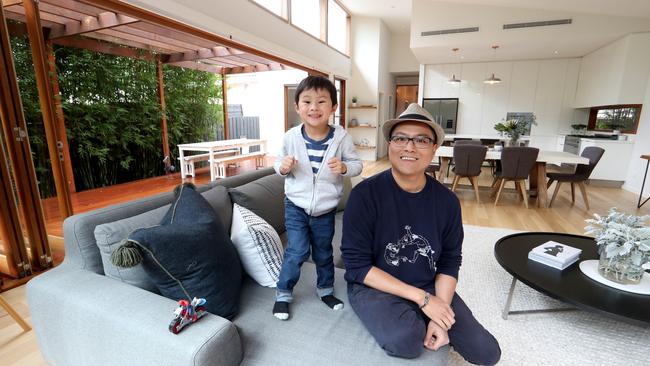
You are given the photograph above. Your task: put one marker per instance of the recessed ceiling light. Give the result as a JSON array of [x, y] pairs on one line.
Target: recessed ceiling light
[[556, 52]]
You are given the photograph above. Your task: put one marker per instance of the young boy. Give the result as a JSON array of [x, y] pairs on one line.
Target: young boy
[[314, 158]]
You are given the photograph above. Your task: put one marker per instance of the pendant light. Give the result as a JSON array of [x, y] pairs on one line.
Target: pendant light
[[453, 79], [493, 79]]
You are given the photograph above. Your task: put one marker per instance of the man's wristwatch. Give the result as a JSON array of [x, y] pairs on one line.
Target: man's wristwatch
[[426, 299]]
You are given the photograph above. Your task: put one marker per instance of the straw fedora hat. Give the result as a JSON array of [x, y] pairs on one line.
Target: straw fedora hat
[[415, 113]]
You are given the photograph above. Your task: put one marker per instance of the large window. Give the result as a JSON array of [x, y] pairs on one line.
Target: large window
[[277, 7], [326, 20], [337, 26], [624, 118], [339, 115], [305, 14]]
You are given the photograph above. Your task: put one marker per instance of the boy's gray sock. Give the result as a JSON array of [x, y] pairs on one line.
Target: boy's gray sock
[[332, 302], [281, 310]]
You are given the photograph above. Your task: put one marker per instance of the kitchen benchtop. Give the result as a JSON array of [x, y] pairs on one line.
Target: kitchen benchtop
[[606, 141]]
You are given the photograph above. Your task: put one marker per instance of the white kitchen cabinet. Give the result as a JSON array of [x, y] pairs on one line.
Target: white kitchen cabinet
[[548, 143], [548, 102], [560, 143], [523, 86], [614, 163]]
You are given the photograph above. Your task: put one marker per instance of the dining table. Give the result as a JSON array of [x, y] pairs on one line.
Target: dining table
[[211, 147], [537, 176]]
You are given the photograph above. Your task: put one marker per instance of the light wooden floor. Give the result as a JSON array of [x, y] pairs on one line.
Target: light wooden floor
[[20, 348]]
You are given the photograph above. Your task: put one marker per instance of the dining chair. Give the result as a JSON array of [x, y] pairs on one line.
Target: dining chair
[[461, 142], [468, 160], [581, 174], [432, 168], [516, 164]]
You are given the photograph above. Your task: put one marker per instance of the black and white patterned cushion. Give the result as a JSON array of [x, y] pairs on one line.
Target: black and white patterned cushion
[[258, 244]]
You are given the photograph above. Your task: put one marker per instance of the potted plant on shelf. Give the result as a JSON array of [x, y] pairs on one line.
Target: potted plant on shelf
[[354, 101], [579, 129], [514, 128], [623, 244]]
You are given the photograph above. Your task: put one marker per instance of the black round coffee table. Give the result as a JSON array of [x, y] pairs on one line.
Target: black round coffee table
[[569, 285]]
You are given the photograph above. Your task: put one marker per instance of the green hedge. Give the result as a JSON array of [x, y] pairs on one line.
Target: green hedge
[[112, 114]]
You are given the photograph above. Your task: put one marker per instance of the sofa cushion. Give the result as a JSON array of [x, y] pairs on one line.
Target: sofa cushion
[[110, 235], [315, 335], [192, 246], [265, 197], [220, 201], [258, 245]]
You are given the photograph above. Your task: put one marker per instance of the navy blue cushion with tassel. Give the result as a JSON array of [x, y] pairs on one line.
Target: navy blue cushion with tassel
[[188, 255]]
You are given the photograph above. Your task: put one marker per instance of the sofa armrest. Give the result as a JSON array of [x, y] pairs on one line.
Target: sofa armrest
[[82, 318]]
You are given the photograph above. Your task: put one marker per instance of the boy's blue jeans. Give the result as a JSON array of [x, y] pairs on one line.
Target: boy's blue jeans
[[306, 233]]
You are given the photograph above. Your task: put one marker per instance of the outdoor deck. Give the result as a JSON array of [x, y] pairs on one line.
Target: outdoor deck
[[105, 196]]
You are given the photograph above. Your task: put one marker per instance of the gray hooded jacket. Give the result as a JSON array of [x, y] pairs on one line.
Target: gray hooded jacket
[[317, 194]]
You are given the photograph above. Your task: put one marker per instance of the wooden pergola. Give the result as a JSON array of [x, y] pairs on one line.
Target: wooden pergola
[[120, 29]]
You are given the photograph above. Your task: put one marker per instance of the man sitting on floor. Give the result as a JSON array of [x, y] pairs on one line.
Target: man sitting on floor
[[402, 238]]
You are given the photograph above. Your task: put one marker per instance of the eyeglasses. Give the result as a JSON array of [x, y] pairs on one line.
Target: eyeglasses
[[420, 142]]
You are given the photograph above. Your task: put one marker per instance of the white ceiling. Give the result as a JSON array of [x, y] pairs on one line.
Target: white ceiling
[[595, 24]]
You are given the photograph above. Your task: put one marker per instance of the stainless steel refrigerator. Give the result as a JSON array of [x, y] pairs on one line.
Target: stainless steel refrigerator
[[444, 112]]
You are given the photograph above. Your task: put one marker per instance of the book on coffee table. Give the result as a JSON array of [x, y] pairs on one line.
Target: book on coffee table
[[554, 254]]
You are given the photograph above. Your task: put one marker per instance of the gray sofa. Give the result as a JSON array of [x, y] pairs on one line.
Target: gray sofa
[[83, 317]]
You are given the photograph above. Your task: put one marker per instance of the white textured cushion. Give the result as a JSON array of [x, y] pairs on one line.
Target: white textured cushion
[[258, 245]]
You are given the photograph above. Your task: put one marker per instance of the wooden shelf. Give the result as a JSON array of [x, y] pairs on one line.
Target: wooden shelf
[[362, 126], [363, 107], [365, 147]]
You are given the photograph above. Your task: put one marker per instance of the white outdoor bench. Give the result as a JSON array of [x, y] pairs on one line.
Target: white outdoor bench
[[191, 159], [222, 163]]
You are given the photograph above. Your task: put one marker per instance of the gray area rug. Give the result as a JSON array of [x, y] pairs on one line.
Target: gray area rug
[[564, 338]]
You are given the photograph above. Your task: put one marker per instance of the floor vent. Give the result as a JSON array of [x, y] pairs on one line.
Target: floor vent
[[544, 23], [449, 31]]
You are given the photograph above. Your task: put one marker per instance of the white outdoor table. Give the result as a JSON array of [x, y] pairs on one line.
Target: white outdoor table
[[537, 176], [213, 146]]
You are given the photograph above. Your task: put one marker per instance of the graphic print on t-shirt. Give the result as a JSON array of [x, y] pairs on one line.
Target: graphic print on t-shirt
[[408, 249]]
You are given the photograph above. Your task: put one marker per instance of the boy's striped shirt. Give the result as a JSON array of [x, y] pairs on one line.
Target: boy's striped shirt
[[316, 149]]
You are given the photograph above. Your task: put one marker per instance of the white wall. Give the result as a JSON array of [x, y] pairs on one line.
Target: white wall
[[247, 23], [544, 87], [641, 147], [365, 38], [386, 86], [364, 44], [262, 94], [615, 73], [401, 57]]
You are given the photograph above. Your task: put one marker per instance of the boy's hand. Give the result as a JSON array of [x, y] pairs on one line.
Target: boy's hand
[[337, 166], [288, 162]]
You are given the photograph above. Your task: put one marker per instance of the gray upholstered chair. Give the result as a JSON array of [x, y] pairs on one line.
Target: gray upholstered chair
[[516, 164], [461, 142], [432, 169], [468, 160], [582, 173]]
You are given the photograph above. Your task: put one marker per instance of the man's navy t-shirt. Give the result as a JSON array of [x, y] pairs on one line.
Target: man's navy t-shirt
[[411, 236]]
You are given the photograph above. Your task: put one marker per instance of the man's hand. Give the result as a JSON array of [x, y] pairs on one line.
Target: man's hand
[[436, 337], [288, 162], [439, 312], [337, 166]]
